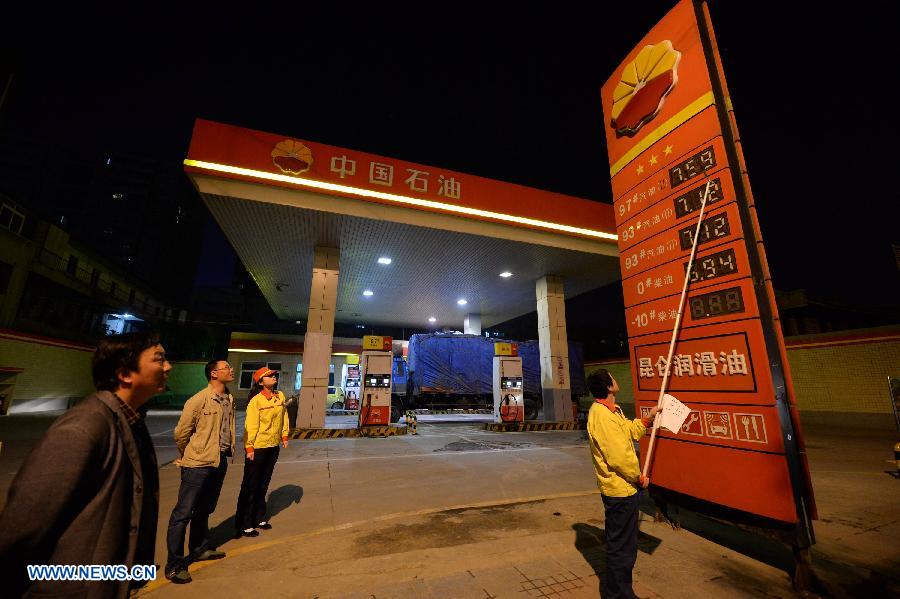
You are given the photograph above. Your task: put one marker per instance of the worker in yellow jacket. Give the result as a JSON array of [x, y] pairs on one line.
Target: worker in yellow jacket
[[619, 478], [265, 426]]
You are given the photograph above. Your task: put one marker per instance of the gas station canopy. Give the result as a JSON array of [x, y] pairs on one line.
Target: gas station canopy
[[448, 235]]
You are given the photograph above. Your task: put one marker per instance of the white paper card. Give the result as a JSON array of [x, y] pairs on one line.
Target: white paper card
[[673, 414]]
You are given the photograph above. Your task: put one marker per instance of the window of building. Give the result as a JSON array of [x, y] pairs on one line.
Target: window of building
[[11, 219], [72, 265], [248, 368]]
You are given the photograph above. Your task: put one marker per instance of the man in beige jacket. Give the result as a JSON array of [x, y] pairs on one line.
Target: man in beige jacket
[[205, 436]]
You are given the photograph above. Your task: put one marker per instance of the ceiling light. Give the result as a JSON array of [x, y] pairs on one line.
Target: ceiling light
[[248, 351], [384, 260], [505, 274], [462, 301], [368, 293], [432, 319]]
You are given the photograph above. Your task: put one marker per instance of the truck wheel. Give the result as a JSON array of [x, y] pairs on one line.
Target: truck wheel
[[531, 410], [396, 409], [338, 405]]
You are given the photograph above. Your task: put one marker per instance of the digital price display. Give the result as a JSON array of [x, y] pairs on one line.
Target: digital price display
[[716, 265], [373, 380], [692, 200], [511, 383], [697, 164], [717, 303], [711, 228]]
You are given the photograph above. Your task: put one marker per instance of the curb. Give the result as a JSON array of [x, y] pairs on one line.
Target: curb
[[520, 427], [426, 411], [347, 433]]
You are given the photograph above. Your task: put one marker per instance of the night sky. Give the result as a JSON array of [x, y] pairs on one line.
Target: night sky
[[498, 90]]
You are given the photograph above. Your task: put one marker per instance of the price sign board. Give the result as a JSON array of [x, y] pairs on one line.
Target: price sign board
[[725, 302], [671, 136], [377, 342], [721, 224], [719, 264], [676, 207]]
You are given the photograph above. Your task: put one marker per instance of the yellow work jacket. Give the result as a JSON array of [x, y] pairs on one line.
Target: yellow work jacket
[[612, 448], [266, 423]]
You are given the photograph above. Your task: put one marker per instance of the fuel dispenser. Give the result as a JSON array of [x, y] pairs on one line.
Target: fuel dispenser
[[375, 392], [509, 399]]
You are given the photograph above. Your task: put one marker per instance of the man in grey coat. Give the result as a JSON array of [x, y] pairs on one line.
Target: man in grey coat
[[89, 491]]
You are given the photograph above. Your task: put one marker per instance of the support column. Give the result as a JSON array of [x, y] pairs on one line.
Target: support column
[[319, 335], [554, 347], [472, 324]]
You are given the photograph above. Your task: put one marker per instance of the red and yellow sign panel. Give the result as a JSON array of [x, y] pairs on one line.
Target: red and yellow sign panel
[[236, 153], [377, 343], [672, 143]]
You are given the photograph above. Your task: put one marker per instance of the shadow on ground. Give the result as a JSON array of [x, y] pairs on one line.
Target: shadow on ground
[[766, 550], [590, 541], [279, 500]]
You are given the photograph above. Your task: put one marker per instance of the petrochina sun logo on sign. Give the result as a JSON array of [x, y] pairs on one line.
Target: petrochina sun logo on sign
[[292, 157], [643, 87]]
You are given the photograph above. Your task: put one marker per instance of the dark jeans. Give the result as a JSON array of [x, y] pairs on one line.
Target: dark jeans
[[251, 506], [197, 498], [621, 545]]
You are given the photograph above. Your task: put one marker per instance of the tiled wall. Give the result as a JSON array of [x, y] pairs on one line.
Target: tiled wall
[[845, 378]]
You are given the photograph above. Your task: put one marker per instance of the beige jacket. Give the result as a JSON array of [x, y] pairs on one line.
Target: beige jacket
[[198, 429]]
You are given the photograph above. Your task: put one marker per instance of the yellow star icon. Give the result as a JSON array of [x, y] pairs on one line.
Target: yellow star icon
[[653, 160], [668, 150], [640, 169]]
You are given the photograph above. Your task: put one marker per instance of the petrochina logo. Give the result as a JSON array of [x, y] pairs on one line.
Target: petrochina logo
[[642, 90], [292, 157]]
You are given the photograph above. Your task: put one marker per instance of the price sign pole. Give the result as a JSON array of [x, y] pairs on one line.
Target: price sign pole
[[687, 279]]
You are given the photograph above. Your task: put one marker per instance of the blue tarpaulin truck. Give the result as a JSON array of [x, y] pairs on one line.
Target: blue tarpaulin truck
[[446, 371]]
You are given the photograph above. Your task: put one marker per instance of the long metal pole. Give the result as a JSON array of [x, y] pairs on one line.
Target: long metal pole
[[687, 278]]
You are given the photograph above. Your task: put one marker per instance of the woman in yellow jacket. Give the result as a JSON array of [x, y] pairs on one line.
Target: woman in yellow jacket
[[265, 426]]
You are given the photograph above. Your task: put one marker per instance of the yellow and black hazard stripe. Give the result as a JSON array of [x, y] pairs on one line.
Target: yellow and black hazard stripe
[[382, 431], [455, 411], [347, 433], [521, 427]]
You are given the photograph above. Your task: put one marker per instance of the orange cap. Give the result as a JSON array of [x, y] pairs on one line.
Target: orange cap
[[264, 371]]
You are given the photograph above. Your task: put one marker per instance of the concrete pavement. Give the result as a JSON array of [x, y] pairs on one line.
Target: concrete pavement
[[461, 512]]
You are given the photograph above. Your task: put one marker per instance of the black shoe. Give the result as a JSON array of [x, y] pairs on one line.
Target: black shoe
[[179, 576], [209, 554], [245, 533], [264, 526]]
